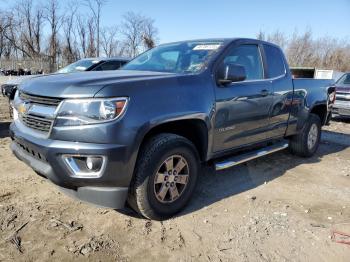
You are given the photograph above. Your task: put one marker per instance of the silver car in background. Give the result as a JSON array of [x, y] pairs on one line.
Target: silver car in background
[[341, 106]]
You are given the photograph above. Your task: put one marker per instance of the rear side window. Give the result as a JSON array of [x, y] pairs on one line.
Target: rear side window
[[249, 57], [275, 62]]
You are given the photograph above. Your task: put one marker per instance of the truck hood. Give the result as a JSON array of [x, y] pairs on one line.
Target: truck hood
[[84, 84]]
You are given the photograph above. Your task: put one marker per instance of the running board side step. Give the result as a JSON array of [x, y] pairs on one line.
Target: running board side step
[[236, 160]]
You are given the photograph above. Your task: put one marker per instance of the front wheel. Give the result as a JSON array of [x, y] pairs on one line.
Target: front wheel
[[165, 176], [307, 141]]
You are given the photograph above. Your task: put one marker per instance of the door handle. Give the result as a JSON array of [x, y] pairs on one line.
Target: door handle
[[264, 92]]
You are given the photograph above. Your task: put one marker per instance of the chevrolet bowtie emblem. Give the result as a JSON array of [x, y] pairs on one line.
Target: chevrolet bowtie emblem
[[23, 108]]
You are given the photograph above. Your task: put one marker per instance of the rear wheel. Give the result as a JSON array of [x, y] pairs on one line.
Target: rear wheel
[[307, 141], [165, 176]]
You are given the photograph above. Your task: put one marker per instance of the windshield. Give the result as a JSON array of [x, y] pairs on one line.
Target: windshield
[[184, 57], [344, 80], [81, 65]]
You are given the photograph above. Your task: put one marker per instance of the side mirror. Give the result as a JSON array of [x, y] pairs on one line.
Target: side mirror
[[231, 73]]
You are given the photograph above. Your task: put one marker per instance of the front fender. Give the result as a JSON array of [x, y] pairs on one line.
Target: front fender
[[154, 123]]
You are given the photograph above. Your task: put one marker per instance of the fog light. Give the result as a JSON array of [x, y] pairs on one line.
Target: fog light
[[85, 166], [94, 163]]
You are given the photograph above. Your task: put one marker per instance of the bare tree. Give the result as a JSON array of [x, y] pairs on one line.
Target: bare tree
[[300, 49], [91, 47], [82, 34], [10, 30], [69, 51], [38, 28], [95, 8], [4, 43], [304, 50], [137, 28], [21, 28], [132, 31], [26, 25], [277, 37], [56, 34], [261, 35], [109, 41], [54, 19], [150, 33]]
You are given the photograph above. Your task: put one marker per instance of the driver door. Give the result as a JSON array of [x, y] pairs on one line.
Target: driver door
[[242, 108]]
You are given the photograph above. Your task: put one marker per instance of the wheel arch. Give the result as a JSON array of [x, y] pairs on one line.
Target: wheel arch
[[321, 111], [193, 129]]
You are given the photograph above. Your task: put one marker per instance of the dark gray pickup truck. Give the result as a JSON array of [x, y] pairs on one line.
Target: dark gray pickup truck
[[140, 134]]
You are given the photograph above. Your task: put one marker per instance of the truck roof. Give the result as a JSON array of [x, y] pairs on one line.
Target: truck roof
[[226, 40]]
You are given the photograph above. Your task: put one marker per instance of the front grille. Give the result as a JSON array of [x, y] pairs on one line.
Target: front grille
[[37, 123], [40, 99]]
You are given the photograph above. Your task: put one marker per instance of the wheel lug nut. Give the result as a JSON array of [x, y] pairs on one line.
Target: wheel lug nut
[[170, 172], [172, 184], [167, 184]]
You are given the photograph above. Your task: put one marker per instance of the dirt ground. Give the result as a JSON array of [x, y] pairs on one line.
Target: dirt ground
[[277, 208]]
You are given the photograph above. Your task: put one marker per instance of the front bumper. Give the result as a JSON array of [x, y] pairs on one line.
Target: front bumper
[[45, 157]]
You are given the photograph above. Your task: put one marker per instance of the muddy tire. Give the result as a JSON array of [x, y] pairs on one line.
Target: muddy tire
[[165, 176], [305, 144]]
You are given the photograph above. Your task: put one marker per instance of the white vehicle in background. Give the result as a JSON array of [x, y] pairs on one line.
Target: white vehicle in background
[[315, 73], [87, 64], [327, 74]]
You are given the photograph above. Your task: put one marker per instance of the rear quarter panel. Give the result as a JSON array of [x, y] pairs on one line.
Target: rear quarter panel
[[308, 93]]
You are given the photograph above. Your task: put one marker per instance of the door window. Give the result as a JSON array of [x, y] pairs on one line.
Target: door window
[[249, 57], [275, 62]]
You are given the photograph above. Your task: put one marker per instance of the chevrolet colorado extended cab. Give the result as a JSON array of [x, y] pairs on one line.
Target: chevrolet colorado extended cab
[[140, 134]]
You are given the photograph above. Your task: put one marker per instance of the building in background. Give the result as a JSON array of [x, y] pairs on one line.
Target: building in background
[[316, 73]]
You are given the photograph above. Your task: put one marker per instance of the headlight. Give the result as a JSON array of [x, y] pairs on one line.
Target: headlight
[[77, 112], [16, 96]]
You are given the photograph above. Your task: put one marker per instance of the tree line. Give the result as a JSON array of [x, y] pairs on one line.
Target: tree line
[[302, 49], [56, 33], [59, 34]]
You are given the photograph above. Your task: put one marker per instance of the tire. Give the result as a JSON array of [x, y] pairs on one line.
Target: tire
[[153, 190], [300, 144]]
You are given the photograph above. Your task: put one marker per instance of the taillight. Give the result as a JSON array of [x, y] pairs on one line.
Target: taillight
[[332, 97]]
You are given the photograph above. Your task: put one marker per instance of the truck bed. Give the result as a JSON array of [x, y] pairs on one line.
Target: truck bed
[[310, 83]]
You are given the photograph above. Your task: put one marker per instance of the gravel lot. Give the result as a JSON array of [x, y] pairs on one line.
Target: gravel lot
[[277, 208]]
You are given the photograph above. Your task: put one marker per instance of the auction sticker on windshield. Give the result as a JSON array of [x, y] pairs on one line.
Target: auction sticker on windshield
[[206, 47]]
